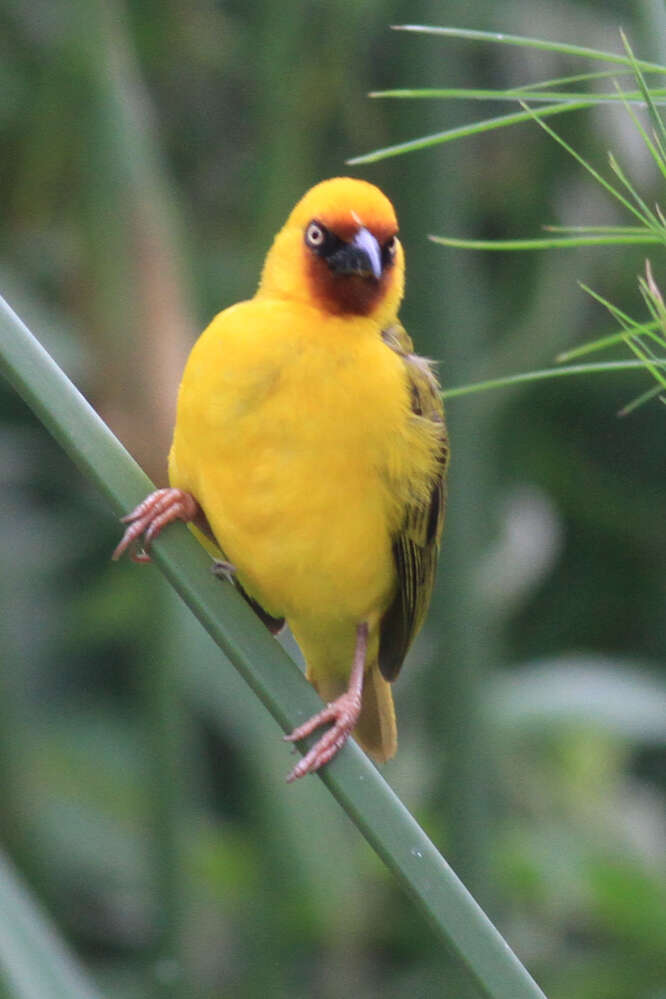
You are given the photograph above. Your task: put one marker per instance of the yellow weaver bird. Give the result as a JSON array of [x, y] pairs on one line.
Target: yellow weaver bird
[[310, 446]]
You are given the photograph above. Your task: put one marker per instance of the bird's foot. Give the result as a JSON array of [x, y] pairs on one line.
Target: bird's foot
[[148, 518], [223, 569], [343, 712]]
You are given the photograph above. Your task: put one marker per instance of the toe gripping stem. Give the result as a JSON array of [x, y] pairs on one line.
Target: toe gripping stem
[[343, 712], [151, 516]]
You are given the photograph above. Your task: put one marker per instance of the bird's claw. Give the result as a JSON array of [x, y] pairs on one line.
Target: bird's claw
[[223, 569], [344, 713], [147, 519]]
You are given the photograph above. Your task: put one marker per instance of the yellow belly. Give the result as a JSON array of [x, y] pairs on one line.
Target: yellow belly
[[292, 432]]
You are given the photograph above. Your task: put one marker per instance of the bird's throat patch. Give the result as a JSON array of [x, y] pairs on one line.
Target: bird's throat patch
[[344, 294]]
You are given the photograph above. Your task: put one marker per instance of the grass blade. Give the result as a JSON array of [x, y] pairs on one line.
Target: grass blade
[[526, 94], [648, 220], [602, 230], [640, 400], [628, 324], [559, 243], [464, 130], [533, 43], [609, 340], [653, 365], [605, 367], [649, 217], [648, 96]]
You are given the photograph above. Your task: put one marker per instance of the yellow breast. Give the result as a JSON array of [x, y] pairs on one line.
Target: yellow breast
[[293, 433]]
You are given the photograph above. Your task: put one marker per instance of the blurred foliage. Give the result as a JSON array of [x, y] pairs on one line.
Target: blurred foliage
[[150, 152]]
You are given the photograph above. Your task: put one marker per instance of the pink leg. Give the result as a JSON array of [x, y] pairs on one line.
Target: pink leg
[[148, 518], [343, 712]]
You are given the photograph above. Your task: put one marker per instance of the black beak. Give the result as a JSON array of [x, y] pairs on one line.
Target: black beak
[[362, 257]]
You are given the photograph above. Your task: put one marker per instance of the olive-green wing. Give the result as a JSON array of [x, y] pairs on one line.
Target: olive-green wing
[[416, 547]]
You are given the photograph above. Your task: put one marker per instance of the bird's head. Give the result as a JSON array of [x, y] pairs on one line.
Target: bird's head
[[339, 251]]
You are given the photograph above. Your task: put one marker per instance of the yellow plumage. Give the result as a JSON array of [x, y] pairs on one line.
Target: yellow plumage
[[313, 441]]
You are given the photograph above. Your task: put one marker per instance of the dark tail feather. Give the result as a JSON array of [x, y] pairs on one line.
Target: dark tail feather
[[376, 729]]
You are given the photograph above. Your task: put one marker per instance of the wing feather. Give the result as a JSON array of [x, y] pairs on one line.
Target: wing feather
[[416, 546]]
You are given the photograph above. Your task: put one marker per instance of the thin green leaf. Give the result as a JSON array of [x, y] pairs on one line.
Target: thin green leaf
[[538, 116], [277, 681], [661, 152], [533, 43], [648, 215], [655, 311], [648, 361], [653, 148], [643, 349], [610, 340], [543, 374], [542, 244], [653, 297], [464, 130], [642, 86], [629, 230], [527, 94], [641, 399], [626, 321], [562, 81]]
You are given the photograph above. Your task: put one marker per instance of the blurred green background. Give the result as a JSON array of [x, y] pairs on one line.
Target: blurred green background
[[149, 152]]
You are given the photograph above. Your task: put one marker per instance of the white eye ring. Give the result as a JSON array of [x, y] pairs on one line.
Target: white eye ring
[[315, 235]]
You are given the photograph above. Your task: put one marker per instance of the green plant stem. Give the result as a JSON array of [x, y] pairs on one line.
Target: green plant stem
[[520, 93], [601, 367], [561, 243], [563, 48], [463, 131], [160, 684], [351, 778]]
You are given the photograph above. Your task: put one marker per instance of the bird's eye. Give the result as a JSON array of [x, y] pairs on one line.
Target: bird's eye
[[315, 235], [389, 250]]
